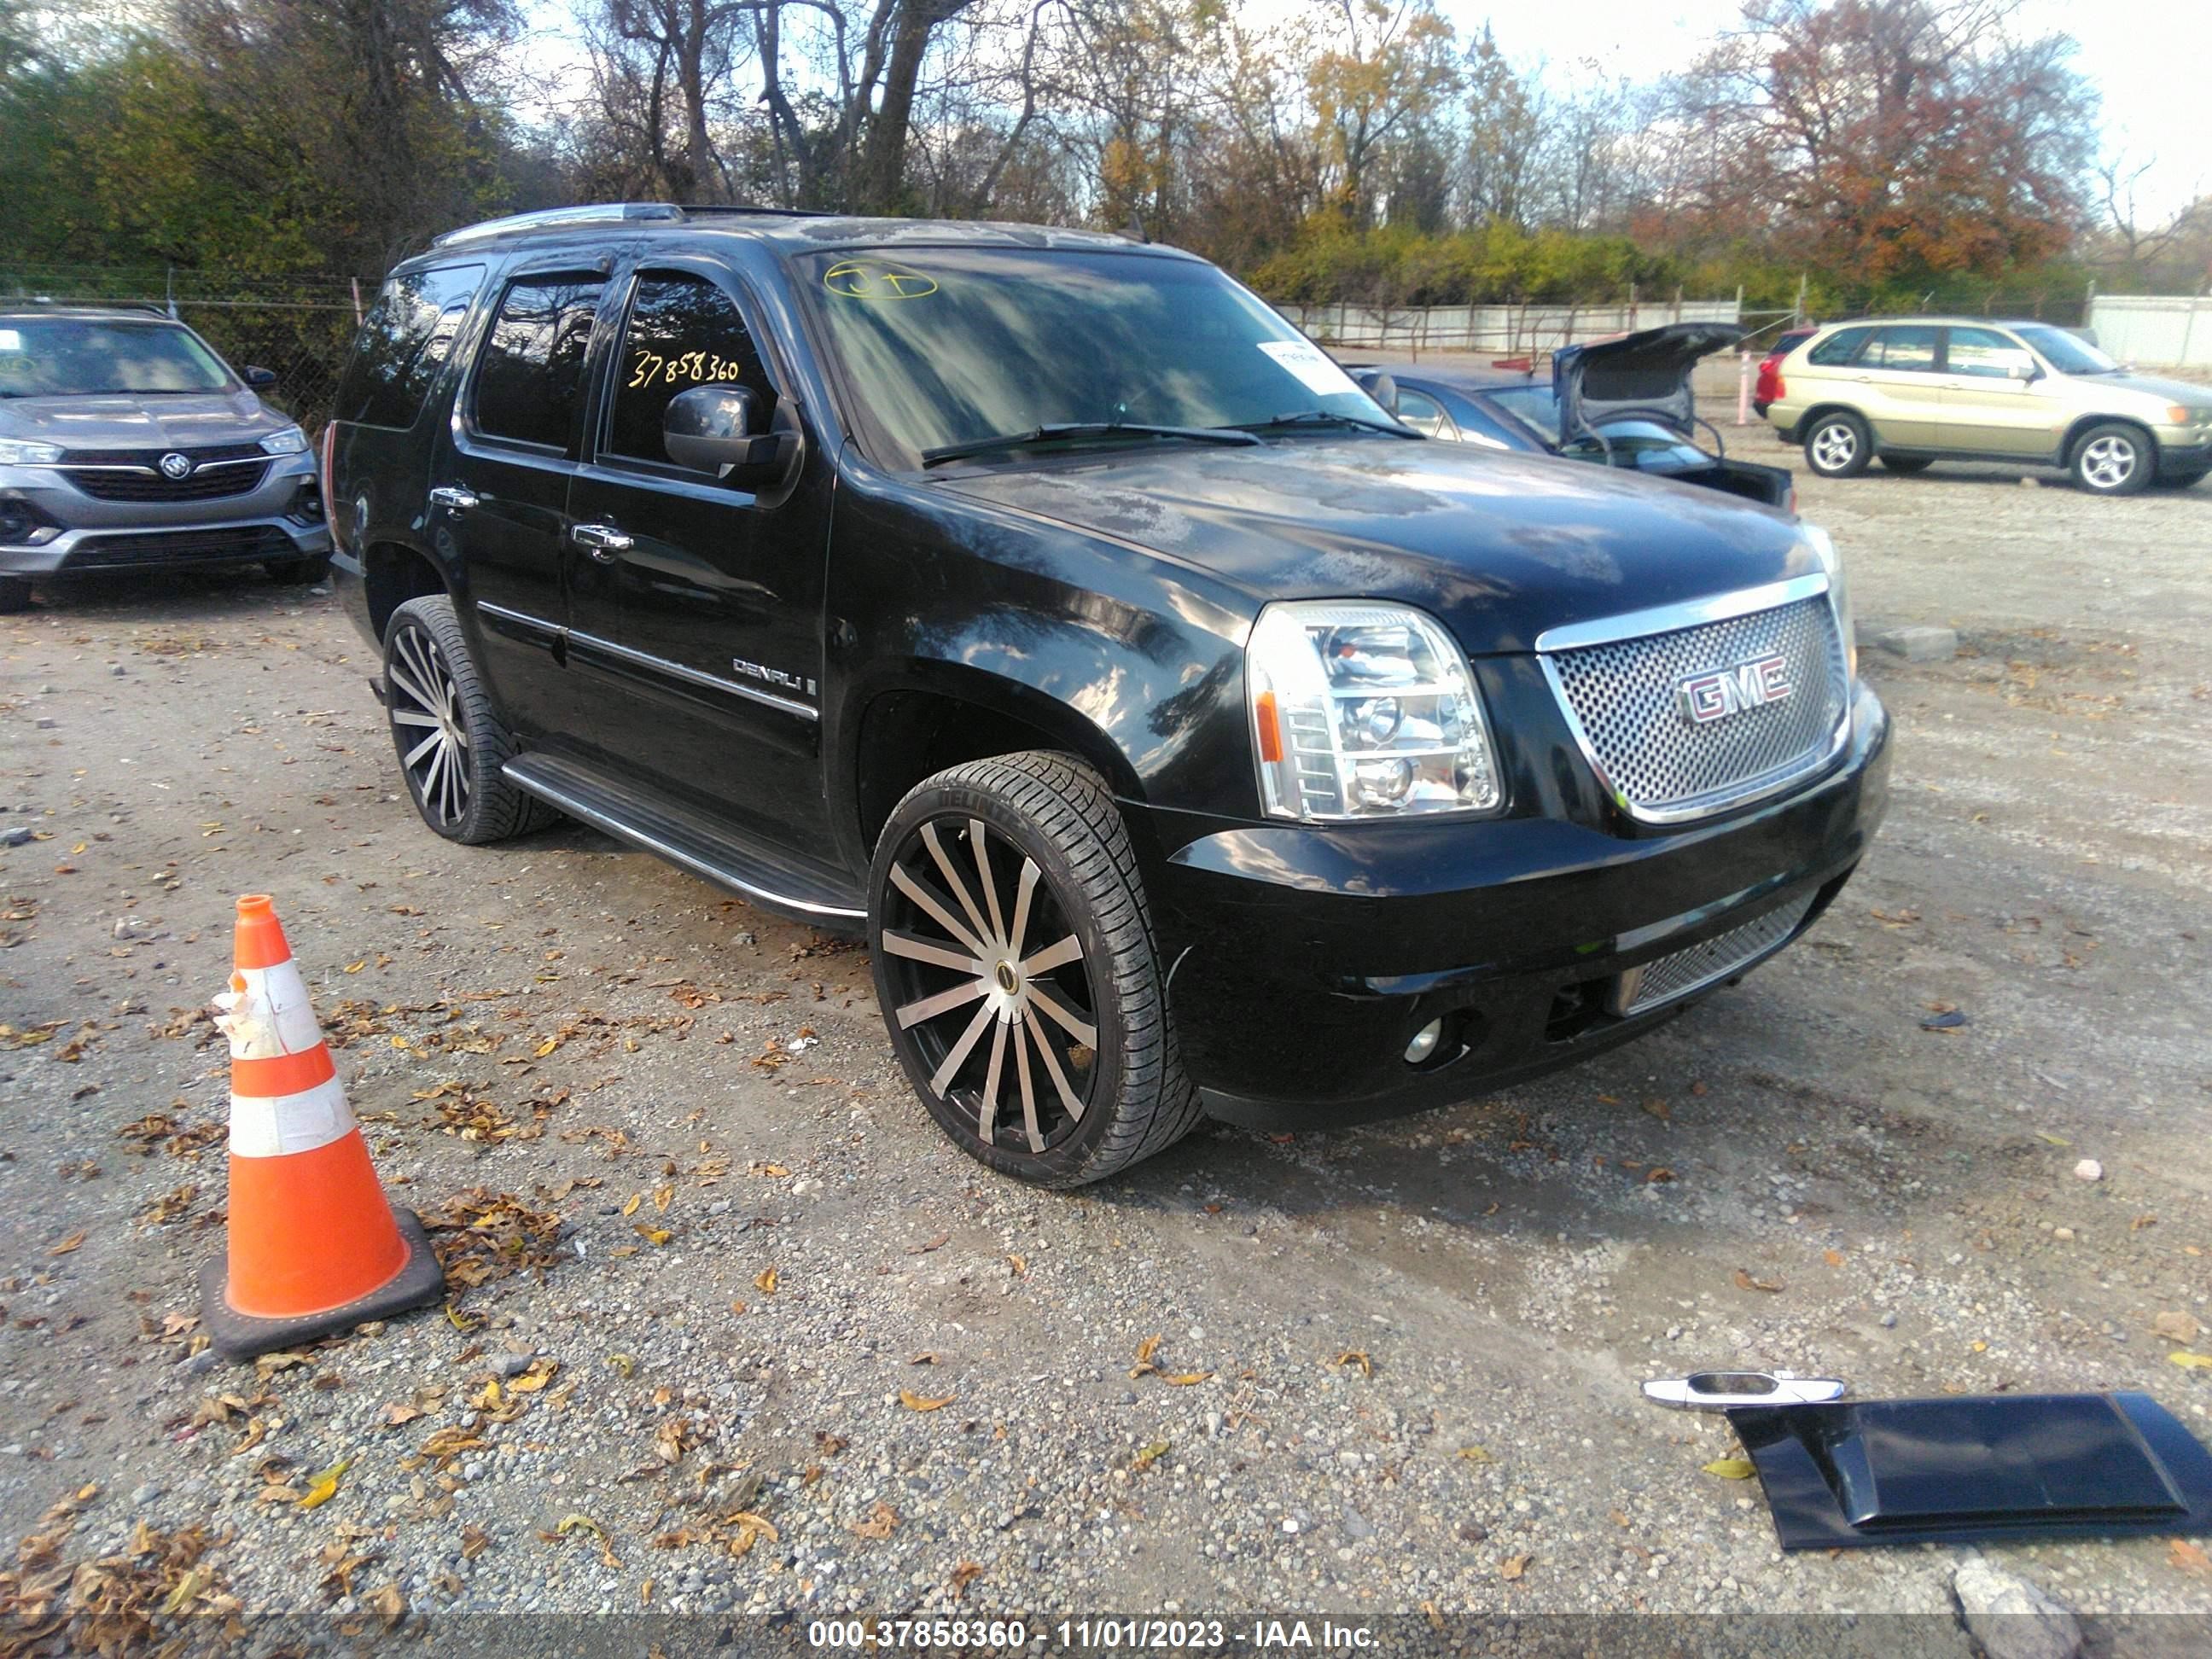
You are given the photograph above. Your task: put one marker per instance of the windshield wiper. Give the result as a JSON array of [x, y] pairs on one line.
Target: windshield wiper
[[1324, 417], [1064, 429]]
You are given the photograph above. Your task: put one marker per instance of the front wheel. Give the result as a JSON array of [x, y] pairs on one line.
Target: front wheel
[[1838, 445], [451, 744], [1013, 957], [2113, 460]]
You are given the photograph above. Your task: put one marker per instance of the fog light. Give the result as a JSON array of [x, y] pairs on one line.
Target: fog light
[[1425, 1043]]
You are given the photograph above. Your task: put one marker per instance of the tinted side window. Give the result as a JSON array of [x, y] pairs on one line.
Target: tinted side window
[[530, 376], [684, 330], [1840, 347], [1911, 349], [404, 341], [1985, 354]]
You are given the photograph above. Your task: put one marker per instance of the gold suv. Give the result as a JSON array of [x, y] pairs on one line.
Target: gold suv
[[1911, 391]]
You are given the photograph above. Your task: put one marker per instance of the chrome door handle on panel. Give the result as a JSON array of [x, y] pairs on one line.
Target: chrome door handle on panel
[[604, 540], [453, 498]]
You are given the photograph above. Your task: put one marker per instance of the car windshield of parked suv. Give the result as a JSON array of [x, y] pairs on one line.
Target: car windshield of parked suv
[[84, 358], [943, 346], [2070, 353]]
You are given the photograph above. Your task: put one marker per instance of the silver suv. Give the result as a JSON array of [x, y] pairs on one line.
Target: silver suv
[[125, 442]]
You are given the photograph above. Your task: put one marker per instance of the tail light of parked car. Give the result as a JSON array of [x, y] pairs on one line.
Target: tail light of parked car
[[1770, 378]]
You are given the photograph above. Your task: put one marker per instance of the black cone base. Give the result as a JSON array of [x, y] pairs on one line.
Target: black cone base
[[236, 1335]]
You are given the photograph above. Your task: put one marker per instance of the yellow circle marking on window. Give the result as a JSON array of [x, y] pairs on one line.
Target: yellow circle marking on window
[[872, 279]]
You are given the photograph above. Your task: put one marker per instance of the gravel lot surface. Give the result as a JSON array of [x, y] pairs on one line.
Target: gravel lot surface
[[763, 1341]]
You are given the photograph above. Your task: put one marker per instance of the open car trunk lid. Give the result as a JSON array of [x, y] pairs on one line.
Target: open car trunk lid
[[1646, 376]]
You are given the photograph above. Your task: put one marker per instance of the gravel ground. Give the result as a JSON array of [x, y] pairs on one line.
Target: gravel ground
[[762, 1342]]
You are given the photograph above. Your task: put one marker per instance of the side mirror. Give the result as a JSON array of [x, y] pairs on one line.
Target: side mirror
[[258, 378], [1384, 390], [715, 429], [2025, 373]]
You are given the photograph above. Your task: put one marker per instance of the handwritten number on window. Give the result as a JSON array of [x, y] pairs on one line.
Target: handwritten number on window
[[696, 367]]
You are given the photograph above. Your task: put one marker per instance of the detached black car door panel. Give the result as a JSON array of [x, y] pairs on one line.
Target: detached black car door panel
[[717, 642], [500, 489]]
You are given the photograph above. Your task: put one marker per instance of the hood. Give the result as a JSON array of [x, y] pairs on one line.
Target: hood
[[1647, 372], [2154, 385], [140, 421], [1498, 545]]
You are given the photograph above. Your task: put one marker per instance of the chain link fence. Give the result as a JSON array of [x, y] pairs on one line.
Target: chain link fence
[[299, 328]]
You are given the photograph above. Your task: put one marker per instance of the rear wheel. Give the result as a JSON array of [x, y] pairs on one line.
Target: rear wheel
[[14, 595], [451, 746], [2113, 460], [1013, 957], [1838, 445], [1907, 464]]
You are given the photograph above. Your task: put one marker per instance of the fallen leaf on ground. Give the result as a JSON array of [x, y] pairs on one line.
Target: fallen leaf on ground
[[2195, 1362], [929, 1244], [966, 1574], [1744, 1281], [1150, 1455], [1515, 1565], [623, 1363], [880, 1521], [1476, 1455], [765, 1281], [1357, 1357], [2177, 1327], [576, 1523], [69, 1244], [391, 1606], [915, 1402], [325, 1486], [656, 1237], [2056, 1140], [1185, 1379], [2189, 1558], [1833, 1258], [924, 1358], [1731, 1468], [1658, 1173]]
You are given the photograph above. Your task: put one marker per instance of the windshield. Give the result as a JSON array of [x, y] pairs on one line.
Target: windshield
[[1534, 404], [2070, 353], [946, 346], [79, 357]]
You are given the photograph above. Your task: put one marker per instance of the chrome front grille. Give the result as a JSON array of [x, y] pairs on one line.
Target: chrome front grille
[[1626, 701], [1684, 971]]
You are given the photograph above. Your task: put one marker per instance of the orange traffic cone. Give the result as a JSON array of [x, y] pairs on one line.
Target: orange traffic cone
[[314, 1247]]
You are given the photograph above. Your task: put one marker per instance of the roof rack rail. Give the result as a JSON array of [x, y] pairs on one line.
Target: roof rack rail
[[595, 213], [589, 214], [152, 307]]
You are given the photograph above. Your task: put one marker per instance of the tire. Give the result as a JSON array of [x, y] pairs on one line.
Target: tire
[[14, 595], [1843, 440], [999, 1056], [1907, 464], [2114, 459], [300, 572], [449, 743]]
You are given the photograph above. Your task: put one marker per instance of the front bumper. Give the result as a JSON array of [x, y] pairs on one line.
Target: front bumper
[[1306, 958], [2183, 451], [72, 533]]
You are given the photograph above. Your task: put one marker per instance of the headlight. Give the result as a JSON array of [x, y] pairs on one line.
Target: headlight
[[1839, 592], [289, 441], [16, 452], [1361, 710]]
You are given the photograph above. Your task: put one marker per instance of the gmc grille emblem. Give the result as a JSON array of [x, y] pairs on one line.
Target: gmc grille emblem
[[1721, 692]]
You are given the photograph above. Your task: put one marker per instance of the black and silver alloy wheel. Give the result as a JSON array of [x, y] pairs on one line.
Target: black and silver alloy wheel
[[451, 744], [993, 990], [1838, 446], [424, 706], [1014, 960]]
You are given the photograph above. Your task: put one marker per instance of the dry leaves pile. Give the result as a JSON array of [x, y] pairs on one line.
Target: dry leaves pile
[[482, 1236], [114, 1605], [160, 1129], [1146, 1365]]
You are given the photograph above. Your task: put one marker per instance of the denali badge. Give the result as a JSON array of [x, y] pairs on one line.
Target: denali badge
[[1716, 694], [775, 676], [174, 466]]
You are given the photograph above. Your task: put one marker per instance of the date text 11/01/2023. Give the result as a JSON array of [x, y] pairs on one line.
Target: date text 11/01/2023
[[1322, 1635]]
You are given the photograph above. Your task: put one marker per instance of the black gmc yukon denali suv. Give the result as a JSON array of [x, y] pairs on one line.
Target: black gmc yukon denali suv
[[1184, 734]]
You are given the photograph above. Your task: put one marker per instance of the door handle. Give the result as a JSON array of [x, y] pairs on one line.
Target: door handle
[[453, 498], [604, 540]]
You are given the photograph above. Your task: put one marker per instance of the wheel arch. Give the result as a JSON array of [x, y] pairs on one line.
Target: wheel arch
[[1819, 412], [940, 714], [2085, 424], [393, 573]]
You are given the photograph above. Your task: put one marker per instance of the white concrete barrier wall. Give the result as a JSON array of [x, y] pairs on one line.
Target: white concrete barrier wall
[[2155, 331], [1499, 331]]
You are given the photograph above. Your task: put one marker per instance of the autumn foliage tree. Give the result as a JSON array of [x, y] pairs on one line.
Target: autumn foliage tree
[[1901, 141]]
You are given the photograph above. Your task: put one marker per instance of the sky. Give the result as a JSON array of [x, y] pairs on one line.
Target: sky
[[2146, 58]]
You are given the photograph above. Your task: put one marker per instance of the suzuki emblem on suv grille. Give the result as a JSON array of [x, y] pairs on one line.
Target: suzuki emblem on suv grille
[[1721, 692], [174, 466]]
